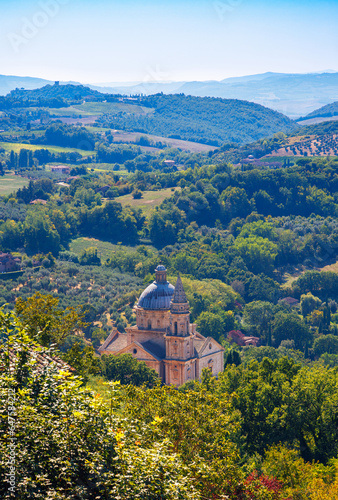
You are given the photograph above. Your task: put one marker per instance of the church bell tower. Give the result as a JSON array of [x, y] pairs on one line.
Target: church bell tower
[[179, 347]]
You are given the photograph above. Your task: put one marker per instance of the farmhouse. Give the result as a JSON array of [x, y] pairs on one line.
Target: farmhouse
[[62, 169], [163, 336], [240, 339], [9, 263]]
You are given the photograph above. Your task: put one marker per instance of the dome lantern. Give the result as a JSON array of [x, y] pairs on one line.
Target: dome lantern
[[161, 274]]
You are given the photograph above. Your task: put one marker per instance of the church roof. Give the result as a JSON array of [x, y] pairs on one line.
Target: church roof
[[154, 349], [114, 342], [157, 295]]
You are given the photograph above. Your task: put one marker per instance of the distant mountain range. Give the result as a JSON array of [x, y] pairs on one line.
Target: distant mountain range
[[294, 95]]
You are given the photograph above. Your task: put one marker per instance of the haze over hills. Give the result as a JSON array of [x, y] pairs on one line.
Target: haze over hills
[[294, 95], [291, 94]]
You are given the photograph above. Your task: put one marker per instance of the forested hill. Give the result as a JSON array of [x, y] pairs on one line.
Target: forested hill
[[325, 111], [67, 92], [206, 119]]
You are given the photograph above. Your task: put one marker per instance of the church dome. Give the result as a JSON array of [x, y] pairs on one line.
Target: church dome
[[158, 295]]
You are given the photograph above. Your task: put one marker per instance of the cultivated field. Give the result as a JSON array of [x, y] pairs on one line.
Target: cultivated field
[[326, 145], [16, 146], [193, 147], [99, 108]]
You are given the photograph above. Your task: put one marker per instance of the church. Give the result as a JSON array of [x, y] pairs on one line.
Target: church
[[163, 336]]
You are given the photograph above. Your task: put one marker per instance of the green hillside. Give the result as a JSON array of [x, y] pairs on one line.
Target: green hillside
[[68, 92], [205, 119], [325, 112]]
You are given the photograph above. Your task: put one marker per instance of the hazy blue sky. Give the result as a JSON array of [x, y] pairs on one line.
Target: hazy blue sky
[[148, 40]]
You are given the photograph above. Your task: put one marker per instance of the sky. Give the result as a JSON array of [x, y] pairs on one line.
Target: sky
[[105, 41]]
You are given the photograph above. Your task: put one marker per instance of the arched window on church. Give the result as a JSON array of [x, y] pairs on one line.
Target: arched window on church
[[187, 326], [158, 324], [149, 325], [175, 324]]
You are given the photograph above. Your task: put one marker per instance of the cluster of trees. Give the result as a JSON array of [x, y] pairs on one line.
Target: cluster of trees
[[78, 211], [26, 160], [58, 134], [116, 153], [265, 431]]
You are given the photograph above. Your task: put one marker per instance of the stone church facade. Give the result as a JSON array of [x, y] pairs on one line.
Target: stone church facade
[[163, 336]]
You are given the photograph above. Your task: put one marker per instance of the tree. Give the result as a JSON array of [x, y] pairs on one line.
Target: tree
[[235, 202], [258, 315], [210, 324], [40, 235], [89, 257], [325, 344], [127, 370], [290, 327], [258, 253], [45, 322], [233, 358], [309, 303], [83, 360], [137, 194]]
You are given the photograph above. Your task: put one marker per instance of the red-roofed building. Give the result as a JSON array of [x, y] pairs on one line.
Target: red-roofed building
[[240, 339], [8, 263]]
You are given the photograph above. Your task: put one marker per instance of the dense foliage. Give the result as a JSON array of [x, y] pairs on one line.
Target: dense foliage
[[247, 435], [204, 119]]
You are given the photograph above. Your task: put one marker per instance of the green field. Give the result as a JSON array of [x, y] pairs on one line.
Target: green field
[[16, 146], [150, 199], [104, 248], [98, 108], [10, 183]]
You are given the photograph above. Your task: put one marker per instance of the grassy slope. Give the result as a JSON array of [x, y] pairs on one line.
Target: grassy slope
[[149, 200], [105, 249], [98, 108], [10, 183]]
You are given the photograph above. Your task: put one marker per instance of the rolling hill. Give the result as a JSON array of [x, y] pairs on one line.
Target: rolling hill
[[313, 140], [206, 120], [325, 113], [68, 92]]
